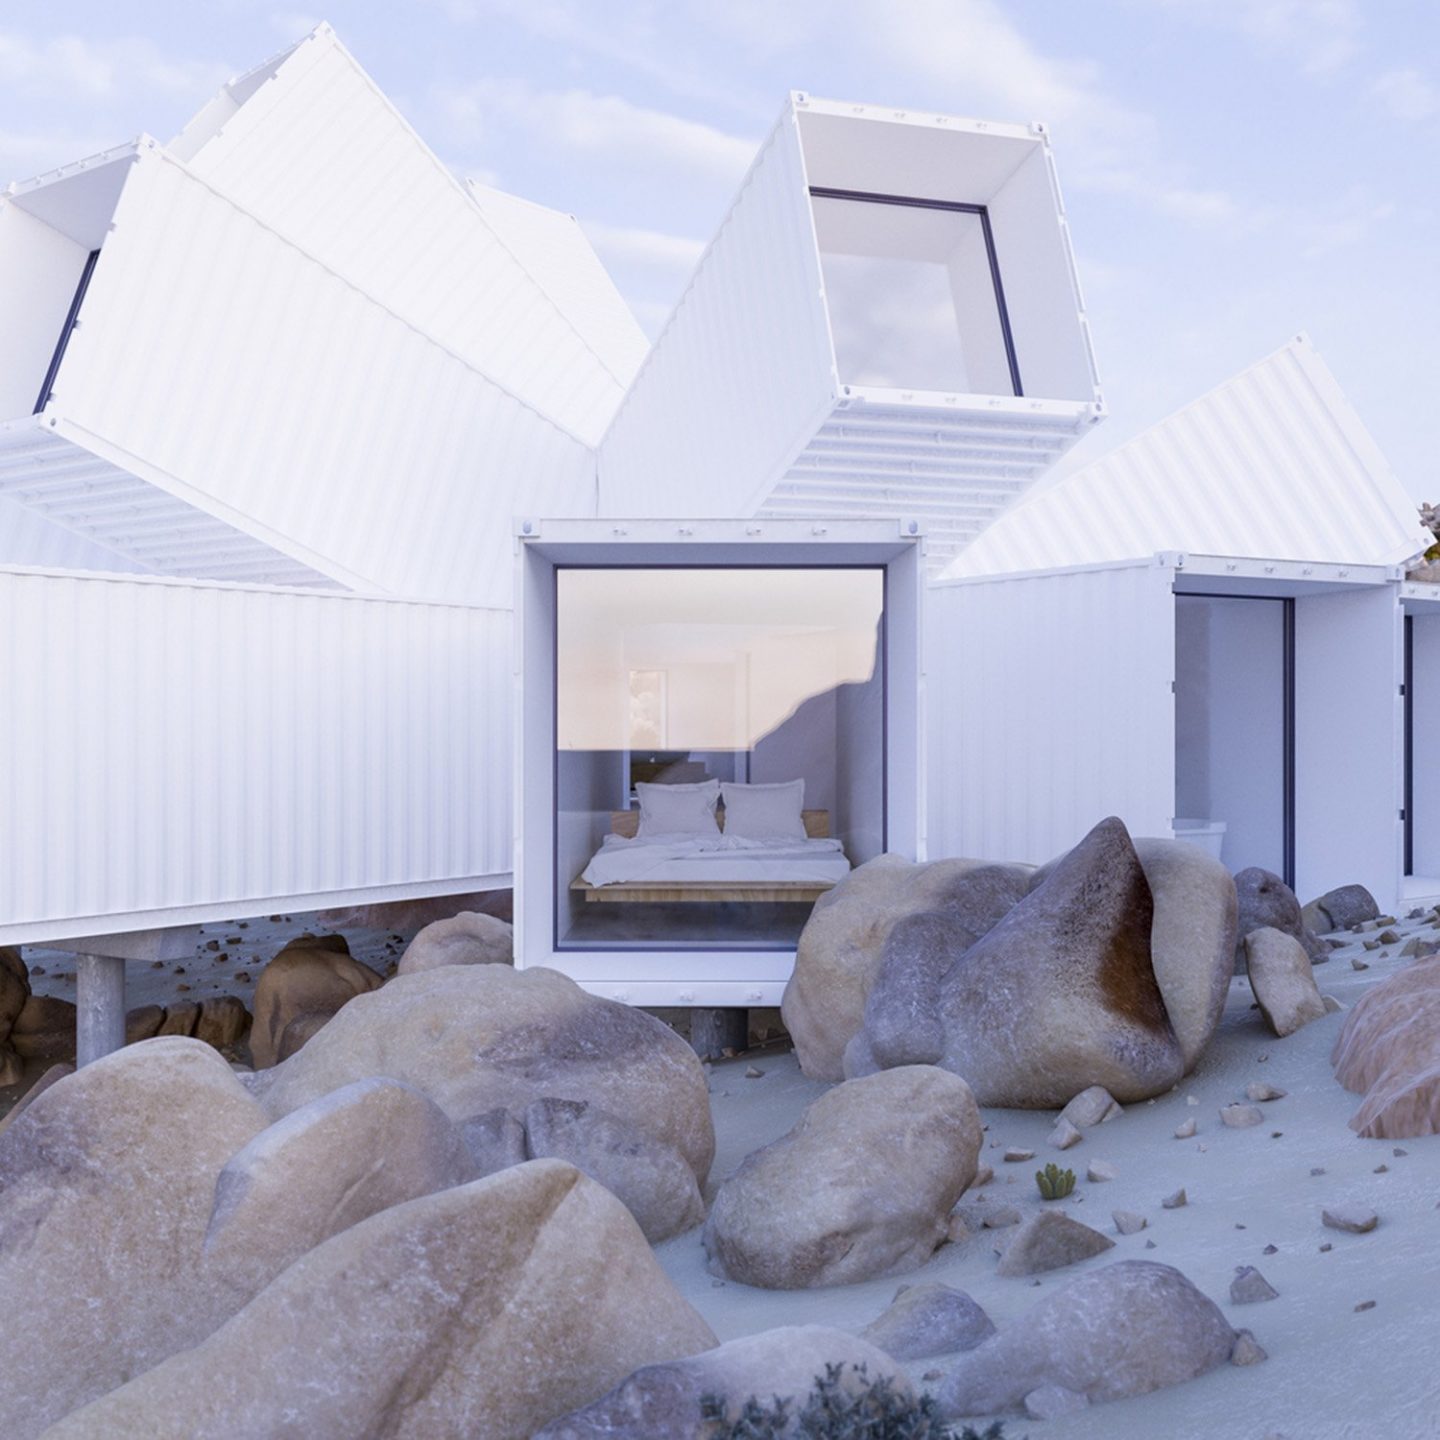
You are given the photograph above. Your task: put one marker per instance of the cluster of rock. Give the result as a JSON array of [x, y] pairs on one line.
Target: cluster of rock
[[1389, 1051], [1109, 966], [318, 1246]]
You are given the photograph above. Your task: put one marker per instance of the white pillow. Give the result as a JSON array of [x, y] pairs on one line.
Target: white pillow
[[678, 809], [765, 812]]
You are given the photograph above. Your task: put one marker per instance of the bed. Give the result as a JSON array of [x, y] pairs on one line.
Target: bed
[[693, 869]]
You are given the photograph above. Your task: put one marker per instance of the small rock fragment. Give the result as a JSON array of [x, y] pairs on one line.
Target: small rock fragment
[[1240, 1117], [1247, 1350], [1001, 1216], [1175, 1201], [1185, 1130], [983, 1176], [1397, 1152], [753, 1072], [1091, 1107], [1354, 1220], [1381, 1169], [1127, 1222], [1249, 1287], [1014, 1156], [1364, 1305], [1099, 1171], [1326, 1246], [1064, 1135], [1317, 1169], [1331, 1004], [1271, 1250], [1258, 1090], [1356, 963]]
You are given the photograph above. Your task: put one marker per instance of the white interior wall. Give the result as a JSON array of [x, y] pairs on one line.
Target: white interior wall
[[977, 313], [1230, 724], [592, 783], [1042, 293], [1425, 737], [1348, 721], [860, 769], [39, 270]]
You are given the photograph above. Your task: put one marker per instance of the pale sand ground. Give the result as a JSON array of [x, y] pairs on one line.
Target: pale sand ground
[[1332, 1374]]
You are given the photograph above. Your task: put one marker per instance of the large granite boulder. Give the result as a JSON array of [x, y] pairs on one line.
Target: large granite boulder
[[323, 1168], [45, 1029], [484, 1310], [662, 1402], [1283, 981], [307, 978], [14, 992], [1267, 902], [926, 1320], [1060, 995], [840, 948], [468, 938], [1341, 908], [1123, 1330], [106, 1185], [650, 1177], [863, 1186], [1192, 938], [476, 1038], [1389, 1051]]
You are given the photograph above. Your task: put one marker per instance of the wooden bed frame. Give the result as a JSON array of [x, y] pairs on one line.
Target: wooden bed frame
[[627, 823]]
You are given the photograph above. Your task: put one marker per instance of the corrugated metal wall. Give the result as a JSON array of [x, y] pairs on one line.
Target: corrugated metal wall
[[320, 154], [742, 375], [1274, 464], [234, 367], [183, 745], [1049, 707]]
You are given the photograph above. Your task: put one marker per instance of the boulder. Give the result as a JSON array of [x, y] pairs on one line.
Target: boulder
[[223, 1021], [476, 1038], [46, 1080], [926, 1320], [1058, 996], [662, 1402], [1341, 908], [495, 1140], [1389, 1051], [143, 1023], [106, 1184], [303, 979], [1050, 1240], [487, 1310], [325, 1167], [299, 1031], [45, 1029], [180, 1018], [14, 989], [1282, 979], [840, 948], [1123, 1330], [464, 939], [1192, 938], [650, 1178], [1267, 902], [863, 1186]]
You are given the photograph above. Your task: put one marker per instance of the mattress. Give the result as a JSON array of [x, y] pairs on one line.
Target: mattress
[[812, 870], [720, 859]]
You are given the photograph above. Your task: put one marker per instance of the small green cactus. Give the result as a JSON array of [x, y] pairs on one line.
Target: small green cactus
[[1054, 1183]]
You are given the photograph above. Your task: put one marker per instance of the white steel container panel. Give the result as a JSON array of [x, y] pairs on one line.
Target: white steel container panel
[[742, 375], [1049, 707], [1274, 464], [319, 153], [185, 747], [1349, 751], [27, 538], [240, 374], [558, 256]]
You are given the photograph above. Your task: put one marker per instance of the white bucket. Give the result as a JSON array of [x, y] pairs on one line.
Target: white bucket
[[1209, 835]]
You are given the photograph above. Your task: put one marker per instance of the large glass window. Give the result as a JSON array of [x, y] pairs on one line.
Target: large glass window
[[914, 294], [720, 745]]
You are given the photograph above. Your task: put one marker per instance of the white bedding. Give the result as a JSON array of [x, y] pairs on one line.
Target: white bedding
[[726, 858]]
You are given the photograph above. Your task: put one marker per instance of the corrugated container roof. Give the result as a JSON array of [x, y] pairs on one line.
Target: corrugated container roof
[[558, 256], [310, 145], [1273, 464]]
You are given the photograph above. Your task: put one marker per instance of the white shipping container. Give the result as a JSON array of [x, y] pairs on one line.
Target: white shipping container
[[175, 753]]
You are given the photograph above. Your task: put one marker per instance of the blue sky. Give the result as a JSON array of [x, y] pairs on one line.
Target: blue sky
[[1235, 170]]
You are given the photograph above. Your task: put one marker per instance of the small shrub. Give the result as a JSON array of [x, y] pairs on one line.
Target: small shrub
[[873, 1410], [1054, 1182]]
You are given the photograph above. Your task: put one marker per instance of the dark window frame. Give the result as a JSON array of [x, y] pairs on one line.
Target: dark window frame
[[917, 202], [72, 319]]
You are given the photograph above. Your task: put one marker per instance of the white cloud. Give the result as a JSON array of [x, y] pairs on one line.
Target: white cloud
[[1356, 223], [97, 70], [591, 124], [1321, 36], [618, 245], [1407, 94]]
